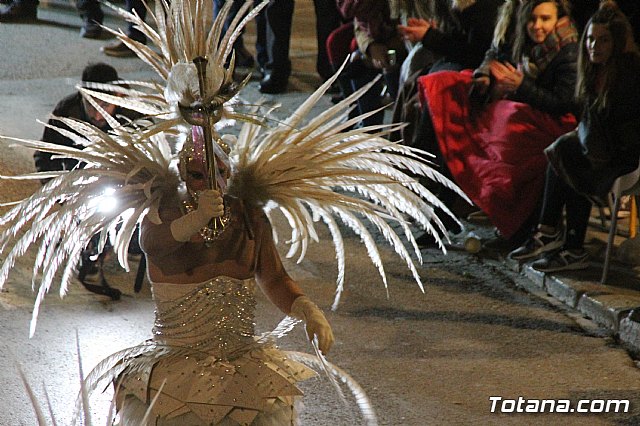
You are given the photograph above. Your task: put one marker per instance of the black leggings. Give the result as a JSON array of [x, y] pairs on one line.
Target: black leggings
[[557, 194]]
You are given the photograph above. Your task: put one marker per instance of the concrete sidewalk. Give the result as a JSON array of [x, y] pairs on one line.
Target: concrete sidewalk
[[614, 306]]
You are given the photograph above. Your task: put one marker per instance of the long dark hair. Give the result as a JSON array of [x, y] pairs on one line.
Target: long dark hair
[[522, 42], [622, 34]]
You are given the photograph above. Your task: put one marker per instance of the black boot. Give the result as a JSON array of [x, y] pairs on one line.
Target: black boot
[[274, 82], [19, 12]]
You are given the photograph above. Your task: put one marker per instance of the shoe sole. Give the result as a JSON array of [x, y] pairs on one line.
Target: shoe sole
[[119, 54], [571, 267], [538, 252]]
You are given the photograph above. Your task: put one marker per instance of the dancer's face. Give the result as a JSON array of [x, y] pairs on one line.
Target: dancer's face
[[599, 43], [196, 177], [542, 21]]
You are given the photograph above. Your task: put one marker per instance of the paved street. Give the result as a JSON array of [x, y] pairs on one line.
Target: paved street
[[432, 358]]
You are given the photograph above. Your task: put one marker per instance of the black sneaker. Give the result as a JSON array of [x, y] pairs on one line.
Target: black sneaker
[[562, 260], [536, 245]]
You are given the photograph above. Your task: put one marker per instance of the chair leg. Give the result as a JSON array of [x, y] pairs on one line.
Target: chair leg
[[612, 234], [633, 218], [603, 217]]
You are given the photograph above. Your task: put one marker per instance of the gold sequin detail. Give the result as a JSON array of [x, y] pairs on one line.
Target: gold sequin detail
[[218, 317]]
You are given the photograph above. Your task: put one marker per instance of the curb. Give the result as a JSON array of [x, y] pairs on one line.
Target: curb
[[616, 309]]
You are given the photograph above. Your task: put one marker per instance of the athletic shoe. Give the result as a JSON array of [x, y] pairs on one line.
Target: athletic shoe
[[562, 260], [536, 245]]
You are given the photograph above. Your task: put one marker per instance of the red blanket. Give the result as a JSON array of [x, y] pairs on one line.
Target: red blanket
[[495, 154]]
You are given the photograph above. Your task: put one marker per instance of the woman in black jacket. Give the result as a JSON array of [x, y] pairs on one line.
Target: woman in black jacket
[[584, 163]]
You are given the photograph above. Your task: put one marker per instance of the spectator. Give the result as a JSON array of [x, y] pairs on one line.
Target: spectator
[[585, 162], [76, 106], [279, 16], [272, 45], [494, 148], [456, 38], [243, 56], [504, 36], [26, 10], [380, 49], [461, 37], [328, 19]]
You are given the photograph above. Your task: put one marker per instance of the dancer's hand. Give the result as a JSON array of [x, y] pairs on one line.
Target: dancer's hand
[[316, 324], [210, 206]]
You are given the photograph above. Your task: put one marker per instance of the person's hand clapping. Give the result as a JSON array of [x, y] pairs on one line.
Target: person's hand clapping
[[507, 77], [415, 29]]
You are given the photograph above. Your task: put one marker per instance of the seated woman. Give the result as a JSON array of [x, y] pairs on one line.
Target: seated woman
[[494, 148], [455, 38], [584, 163]]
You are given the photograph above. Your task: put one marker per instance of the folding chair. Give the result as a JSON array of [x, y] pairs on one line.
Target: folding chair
[[628, 184]]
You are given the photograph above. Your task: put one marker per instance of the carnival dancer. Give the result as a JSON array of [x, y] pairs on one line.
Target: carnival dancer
[[292, 167]]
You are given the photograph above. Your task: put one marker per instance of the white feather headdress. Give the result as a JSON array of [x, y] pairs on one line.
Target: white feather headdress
[[183, 32]]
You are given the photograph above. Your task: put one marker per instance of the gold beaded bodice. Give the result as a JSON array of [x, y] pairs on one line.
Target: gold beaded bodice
[[217, 317]]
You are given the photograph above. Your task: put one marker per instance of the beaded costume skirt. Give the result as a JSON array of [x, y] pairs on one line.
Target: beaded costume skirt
[[204, 365]]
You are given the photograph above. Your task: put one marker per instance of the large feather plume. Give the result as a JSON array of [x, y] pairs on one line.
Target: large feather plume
[[182, 33], [324, 169], [131, 166]]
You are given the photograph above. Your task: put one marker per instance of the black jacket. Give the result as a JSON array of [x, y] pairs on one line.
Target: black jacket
[[553, 90], [70, 107], [466, 43], [607, 142]]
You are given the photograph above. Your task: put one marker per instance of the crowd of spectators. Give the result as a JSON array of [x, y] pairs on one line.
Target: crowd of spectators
[[496, 90]]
